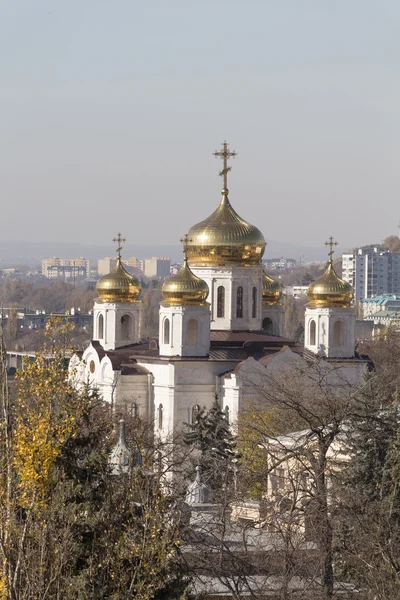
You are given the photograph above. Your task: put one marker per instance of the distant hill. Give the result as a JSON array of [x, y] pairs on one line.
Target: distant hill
[[31, 253]]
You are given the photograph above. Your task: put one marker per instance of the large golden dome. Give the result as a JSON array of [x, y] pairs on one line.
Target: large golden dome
[[271, 290], [330, 291], [224, 238], [185, 288], [118, 286]]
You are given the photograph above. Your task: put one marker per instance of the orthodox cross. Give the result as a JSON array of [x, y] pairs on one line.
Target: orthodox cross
[[185, 240], [225, 154], [331, 243], [119, 239]]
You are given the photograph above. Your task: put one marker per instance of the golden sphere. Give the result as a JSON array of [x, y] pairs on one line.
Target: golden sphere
[[271, 290], [330, 291], [118, 286], [185, 288], [224, 238]]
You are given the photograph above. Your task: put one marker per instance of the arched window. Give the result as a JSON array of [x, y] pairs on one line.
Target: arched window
[[192, 329], [254, 303], [195, 412], [338, 333], [221, 301], [239, 302], [313, 331], [100, 327], [160, 416], [227, 416], [166, 331], [126, 327], [268, 325]]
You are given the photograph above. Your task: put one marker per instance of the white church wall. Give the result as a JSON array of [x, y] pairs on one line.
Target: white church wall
[[175, 335], [230, 278], [276, 314], [321, 338], [120, 324]]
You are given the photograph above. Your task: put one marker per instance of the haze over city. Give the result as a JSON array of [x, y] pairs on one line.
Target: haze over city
[[111, 113]]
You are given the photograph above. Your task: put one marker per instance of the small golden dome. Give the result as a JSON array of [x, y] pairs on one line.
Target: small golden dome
[[224, 238], [185, 288], [118, 286], [330, 291], [271, 290]]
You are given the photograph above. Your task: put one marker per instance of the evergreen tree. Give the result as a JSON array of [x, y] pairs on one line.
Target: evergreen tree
[[369, 511], [210, 436], [69, 528]]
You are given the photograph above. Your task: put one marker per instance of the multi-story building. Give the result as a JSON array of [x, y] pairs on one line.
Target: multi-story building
[[372, 271], [280, 264], [134, 262], [66, 268], [157, 266], [106, 265]]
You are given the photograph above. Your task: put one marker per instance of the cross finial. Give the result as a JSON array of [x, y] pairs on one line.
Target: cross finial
[[185, 240], [225, 154], [119, 239], [331, 243]]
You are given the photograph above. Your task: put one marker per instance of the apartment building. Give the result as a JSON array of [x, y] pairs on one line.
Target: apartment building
[[66, 268], [372, 271]]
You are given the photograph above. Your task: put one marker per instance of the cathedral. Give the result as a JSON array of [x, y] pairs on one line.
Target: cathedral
[[220, 327]]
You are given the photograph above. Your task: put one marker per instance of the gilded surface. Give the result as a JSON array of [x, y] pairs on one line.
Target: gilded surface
[[330, 291], [185, 288], [224, 238], [118, 286], [271, 290]]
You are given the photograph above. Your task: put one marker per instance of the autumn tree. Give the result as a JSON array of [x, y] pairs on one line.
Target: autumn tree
[[69, 527], [392, 243]]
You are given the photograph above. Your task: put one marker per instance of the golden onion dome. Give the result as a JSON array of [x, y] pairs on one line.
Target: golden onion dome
[[224, 238], [271, 290], [118, 286], [330, 291], [185, 288]]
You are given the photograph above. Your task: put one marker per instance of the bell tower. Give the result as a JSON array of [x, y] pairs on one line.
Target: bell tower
[[330, 317], [184, 314], [117, 311]]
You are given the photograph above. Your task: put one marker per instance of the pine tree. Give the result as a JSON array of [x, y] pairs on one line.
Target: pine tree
[[210, 436]]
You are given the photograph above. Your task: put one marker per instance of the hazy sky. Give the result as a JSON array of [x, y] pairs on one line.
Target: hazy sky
[[110, 111]]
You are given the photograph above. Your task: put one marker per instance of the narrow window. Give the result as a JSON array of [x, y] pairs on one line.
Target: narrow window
[[195, 412], [254, 304], [221, 302], [227, 416], [101, 327], [313, 329], [166, 331], [191, 336], [126, 327], [268, 326], [160, 416], [239, 302], [338, 333]]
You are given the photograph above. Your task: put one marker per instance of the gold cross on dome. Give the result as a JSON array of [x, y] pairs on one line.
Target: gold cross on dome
[[225, 154], [119, 239], [331, 243], [185, 240]]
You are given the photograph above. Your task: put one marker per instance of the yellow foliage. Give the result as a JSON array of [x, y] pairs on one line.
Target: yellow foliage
[[46, 418]]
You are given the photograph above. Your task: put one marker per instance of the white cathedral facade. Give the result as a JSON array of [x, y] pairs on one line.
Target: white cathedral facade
[[220, 328]]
